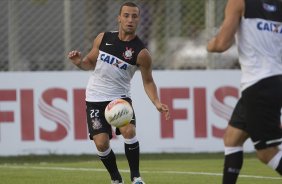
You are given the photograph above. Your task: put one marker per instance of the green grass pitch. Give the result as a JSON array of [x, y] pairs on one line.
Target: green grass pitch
[[155, 169]]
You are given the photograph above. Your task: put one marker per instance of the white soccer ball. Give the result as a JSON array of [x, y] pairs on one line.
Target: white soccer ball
[[118, 113]]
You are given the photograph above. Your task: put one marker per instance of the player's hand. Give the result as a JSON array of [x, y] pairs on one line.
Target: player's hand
[[75, 57], [163, 108]]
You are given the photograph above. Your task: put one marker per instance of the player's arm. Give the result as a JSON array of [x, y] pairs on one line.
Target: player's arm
[[89, 61], [144, 61], [225, 37]]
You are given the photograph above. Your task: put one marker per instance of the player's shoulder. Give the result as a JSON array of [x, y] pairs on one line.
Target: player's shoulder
[[101, 35], [145, 52], [110, 34], [144, 56], [105, 35], [98, 39]]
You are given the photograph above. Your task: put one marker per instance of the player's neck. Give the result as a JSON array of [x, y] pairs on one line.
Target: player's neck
[[126, 36]]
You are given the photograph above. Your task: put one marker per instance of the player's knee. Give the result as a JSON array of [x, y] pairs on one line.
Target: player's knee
[[226, 140], [230, 141], [128, 132], [102, 146], [102, 141], [234, 137]]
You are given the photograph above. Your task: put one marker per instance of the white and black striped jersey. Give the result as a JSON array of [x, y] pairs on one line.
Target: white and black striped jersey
[[259, 40], [115, 67]]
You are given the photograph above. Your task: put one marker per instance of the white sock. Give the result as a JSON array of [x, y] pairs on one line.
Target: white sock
[[273, 163], [230, 150], [105, 153], [131, 141]]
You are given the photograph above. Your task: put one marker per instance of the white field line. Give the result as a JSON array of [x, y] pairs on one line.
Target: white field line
[[127, 171]]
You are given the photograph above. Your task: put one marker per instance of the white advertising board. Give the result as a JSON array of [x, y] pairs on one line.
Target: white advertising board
[[44, 112]]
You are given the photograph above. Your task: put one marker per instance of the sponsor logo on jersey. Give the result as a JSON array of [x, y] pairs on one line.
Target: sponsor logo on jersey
[[113, 61], [269, 7], [269, 26], [127, 54]]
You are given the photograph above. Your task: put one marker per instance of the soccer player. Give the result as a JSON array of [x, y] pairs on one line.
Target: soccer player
[[114, 58], [257, 25]]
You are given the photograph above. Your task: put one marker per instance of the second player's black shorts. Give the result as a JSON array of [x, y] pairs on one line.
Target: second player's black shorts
[[258, 112], [96, 118]]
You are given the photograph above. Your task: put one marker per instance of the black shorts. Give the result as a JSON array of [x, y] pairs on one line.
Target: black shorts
[[258, 112], [96, 119]]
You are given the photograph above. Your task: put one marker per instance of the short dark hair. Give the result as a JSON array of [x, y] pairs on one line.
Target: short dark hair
[[130, 4]]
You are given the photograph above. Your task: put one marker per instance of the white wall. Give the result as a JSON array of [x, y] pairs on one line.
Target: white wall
[[44, 112]]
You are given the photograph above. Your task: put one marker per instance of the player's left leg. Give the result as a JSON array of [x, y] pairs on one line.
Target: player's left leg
[[132, 150], [263, 113]]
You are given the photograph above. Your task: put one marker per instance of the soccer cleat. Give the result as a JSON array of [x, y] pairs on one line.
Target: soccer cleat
[[138, 181], [116, 182]]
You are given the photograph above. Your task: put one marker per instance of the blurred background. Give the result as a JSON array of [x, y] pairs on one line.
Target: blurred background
[[36, 35], [42, 109]]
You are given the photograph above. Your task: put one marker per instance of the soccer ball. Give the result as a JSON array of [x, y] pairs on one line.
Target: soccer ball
[[118, 113]]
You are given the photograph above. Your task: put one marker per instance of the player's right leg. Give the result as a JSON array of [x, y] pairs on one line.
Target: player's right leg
[[234, 139], [101, 133], [107, 156]]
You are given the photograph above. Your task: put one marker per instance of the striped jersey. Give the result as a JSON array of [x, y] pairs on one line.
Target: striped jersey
[[259, 41], [115, 67]]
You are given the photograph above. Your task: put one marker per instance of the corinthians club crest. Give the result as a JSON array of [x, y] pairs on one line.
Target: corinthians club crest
[[127, 54], [96, 124]]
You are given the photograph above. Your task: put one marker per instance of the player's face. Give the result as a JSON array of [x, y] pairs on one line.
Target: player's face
[[128, 19]]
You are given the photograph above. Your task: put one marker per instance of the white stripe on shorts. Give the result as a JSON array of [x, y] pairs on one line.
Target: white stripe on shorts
[[274, 141]]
